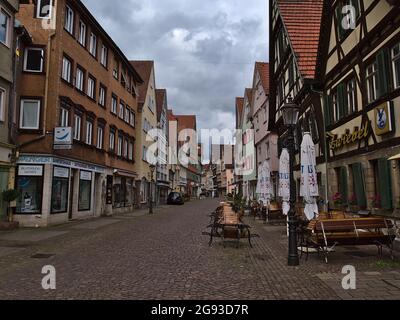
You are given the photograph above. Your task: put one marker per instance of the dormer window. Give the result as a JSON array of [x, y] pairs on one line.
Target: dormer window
[[44, 9]]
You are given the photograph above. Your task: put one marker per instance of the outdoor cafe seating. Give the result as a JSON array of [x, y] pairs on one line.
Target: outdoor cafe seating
[[226, 224]]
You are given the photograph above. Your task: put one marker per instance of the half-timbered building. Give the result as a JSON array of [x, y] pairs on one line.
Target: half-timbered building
[[360, 72]]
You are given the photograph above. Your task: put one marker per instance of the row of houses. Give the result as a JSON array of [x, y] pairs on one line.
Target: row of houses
[[76, 116], [339, 61]]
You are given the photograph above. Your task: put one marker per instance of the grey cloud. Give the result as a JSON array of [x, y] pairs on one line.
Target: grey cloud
[[204, 50]]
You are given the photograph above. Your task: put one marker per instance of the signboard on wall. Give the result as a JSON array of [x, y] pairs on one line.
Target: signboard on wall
[[61, 172], [383, 119], [30, 171], [63, 138], [86, 175]]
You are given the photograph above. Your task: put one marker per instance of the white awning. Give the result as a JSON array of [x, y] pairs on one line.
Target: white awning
[[396, 157]]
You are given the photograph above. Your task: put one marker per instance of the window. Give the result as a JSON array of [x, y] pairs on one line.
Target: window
[[77, 127], [396, 65], [104, 56], [69, 20], [2, 104], [112, 140], [30, 187], [130, 157], [351, 96], [102, 96], [100, 137], [44, 9], [126, 146], [144, 153], [5, 19], [66, 69], [59, 193], [116, 69], [89, 133], [114, 103], [132, 122], [127, 114], [121, 113], [85, 191], [29, 114], [335, 104], [80, 79], [120, 141], [33, 61], [93, 45], [91, 87], [372, 87], [82, 33], [64, 117]]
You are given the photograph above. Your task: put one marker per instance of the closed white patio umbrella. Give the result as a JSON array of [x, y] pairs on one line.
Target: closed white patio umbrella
[[309, 181], [284, 181]]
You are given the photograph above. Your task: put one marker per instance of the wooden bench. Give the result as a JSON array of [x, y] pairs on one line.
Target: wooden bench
[[325, 235]]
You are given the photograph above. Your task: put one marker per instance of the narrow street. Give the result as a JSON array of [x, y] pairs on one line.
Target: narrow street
[[165, 256]]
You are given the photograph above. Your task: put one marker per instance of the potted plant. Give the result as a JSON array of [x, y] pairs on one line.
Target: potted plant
[[353, 204], [376, 203], [9, 196], [338, 200]]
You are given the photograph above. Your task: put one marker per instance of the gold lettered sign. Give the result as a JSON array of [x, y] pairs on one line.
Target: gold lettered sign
[[349, 137], [383, 119]]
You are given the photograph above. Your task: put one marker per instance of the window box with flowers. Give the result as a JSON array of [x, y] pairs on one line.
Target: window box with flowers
[[353, 204], [337, 200], [376, 205]]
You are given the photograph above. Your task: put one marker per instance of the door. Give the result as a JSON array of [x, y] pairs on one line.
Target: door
[[71, 198]]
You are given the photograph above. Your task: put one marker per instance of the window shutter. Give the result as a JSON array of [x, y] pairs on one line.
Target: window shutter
[[383, 64], [328, 109], [341, 101], [385, 184], [359, 185], [344, 190], [356, 5]]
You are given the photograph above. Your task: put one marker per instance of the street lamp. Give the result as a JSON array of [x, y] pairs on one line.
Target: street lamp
[[152, 169], [290, 113]]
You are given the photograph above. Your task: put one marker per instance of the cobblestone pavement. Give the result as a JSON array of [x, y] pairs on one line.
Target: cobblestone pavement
[[165, 256]]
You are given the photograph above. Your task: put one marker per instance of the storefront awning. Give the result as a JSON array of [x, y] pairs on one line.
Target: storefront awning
[[396, 157], [125, 174]]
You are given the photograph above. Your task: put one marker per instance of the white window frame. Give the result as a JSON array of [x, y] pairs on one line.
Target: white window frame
[[2, 104], [36, 127], [80, 79], [100, 137], [66, 74], [77, 127], [26, 59], [104, 56], [69, 19], [127, 114], [38, 10], [102, 96], [395, 59], [93, 44], [112, 141], [91, 87], [89, 133], [130, 156], [372, 77], [82, 33], [8, 27], [64, 117], [114, 104], [132, 119], [351, 95], [120, 142], [121, 111], [126, 148]]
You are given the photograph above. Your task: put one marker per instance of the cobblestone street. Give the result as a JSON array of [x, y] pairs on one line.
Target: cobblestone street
[[165, 256]]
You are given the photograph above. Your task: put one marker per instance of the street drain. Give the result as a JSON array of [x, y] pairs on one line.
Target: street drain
[[42, 256]]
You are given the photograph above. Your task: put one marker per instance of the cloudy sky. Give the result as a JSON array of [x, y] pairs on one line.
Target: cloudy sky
[[204, 50]]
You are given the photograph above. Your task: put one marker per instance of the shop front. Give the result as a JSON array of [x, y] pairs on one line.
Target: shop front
[[54, 191], [124, 190]]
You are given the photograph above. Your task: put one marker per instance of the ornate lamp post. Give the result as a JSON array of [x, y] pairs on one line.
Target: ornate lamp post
[[290, 113], [152, 169]]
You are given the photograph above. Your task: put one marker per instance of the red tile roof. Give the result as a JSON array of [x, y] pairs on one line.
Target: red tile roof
[[263, 69], [144, 68], [302, 19], [239, 110], [160, 97]]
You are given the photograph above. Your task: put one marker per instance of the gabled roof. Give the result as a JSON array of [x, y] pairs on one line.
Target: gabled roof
[[144, 68], [239, 110], [248, 93], [186, 122], [263, 69], [161, 95], [302, 19]]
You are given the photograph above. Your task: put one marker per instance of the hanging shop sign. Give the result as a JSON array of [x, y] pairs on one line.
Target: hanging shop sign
[[63, 138], [383, 118], [338, 142]]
